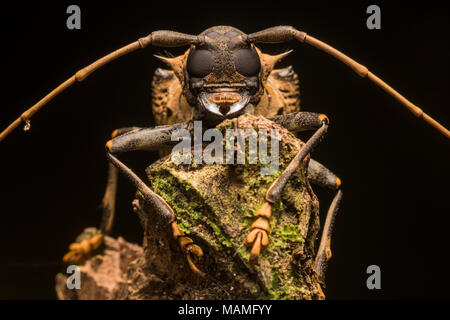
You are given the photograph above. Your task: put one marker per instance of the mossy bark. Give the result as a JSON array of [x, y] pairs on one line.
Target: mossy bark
[[215, 205]]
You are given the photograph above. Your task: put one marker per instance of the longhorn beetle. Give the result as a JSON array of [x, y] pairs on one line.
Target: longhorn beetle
[[222, 75]]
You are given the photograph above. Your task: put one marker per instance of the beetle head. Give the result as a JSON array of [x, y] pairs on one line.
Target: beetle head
[[223, 74]]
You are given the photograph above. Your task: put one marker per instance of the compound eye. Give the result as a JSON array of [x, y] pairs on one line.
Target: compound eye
[[199, 63], [247, 62]]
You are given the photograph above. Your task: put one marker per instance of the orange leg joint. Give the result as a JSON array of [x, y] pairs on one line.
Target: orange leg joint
[[258, 238]]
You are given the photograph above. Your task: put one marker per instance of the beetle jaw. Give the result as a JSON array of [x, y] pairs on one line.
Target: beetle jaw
[[221, 105]]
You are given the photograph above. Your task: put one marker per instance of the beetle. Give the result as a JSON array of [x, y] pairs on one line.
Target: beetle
[[222, 75]]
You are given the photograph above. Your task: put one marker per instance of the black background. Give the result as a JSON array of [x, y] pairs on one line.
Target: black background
[[394, 166]]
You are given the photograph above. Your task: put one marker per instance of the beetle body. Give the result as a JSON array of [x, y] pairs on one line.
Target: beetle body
[[221, 76]]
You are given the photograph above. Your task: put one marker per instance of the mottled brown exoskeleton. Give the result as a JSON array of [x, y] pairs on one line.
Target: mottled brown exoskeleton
[[222, 75]]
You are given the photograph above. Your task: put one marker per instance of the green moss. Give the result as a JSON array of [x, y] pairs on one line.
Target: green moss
[[189, 206], [220, 235], [243, 252], [273, 292], [290, 233]]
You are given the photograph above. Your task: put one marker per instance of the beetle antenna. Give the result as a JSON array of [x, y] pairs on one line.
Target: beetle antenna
[[162, 38], [77, 77], [286, 33]]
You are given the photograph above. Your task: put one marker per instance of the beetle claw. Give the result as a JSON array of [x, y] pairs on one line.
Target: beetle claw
[[189, 259], [192, 251], [85, 244], [259, 237]]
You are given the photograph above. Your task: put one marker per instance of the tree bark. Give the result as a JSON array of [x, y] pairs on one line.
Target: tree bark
[[215, 206]]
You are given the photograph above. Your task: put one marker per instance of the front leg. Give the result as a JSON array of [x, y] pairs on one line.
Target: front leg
[[301, 121], [152, 139], [125, 140], [162, 208]]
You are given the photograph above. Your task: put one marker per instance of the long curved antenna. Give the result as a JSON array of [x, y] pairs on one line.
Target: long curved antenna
[[162, 38], [287, 33]]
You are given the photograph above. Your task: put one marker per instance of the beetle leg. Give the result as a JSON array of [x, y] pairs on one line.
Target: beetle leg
[[149, 139], [324, 252], [186, 244], [131, 139], [320, 175], [94, 236], [317, 174], [300, 121], [276, 188], [188, 247], [258, 238], [153, 139], [125, 140], [162, 208], [109, 198], [87, 242]]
